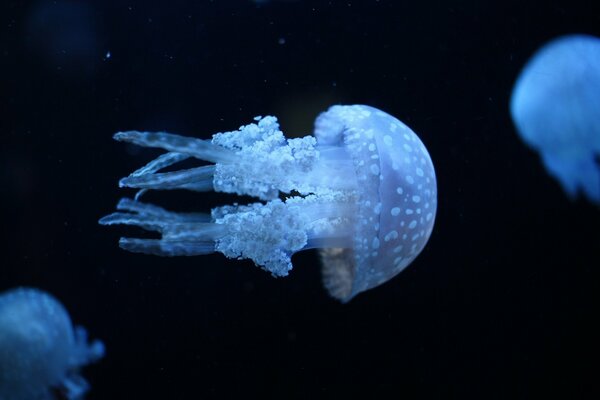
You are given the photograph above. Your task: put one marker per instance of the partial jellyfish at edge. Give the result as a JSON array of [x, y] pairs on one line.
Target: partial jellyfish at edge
[[555, 106], [41, 353], [362, 190]]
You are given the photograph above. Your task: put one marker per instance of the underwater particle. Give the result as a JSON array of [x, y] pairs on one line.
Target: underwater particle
[[555, 106], [40, 351], [339, 189]]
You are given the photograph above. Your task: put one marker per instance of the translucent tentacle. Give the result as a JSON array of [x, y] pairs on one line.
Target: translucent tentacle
[[138, 207], [86, 352], [198, 148], [140, 193], [143, 221], [255, 160], [183, 231], [162, 161], [74, 387], [165, 248], [199, 179]]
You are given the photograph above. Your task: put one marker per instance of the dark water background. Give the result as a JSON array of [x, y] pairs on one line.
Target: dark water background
[[501, 304]]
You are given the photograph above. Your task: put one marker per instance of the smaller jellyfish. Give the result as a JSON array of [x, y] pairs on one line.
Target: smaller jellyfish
[[40, 351], [555, 106], [362, 190]]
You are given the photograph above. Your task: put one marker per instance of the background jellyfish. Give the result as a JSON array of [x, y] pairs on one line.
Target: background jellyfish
[[40, 351], [555, 106], [364, 192]]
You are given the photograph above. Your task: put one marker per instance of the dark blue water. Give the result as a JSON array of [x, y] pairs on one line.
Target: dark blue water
[[499, 305]]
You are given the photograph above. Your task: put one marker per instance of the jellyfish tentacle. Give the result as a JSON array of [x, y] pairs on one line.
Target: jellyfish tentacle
[[197, 148], [181, 233], [138, 207], [170, 230], [85, 352], [142, 221], [162, 161], [74, 387], [269, 234], [198, 179], [166, 248]]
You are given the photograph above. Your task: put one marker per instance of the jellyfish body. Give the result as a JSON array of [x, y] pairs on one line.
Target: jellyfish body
[[40, 351], [362, 190], [555, 106]]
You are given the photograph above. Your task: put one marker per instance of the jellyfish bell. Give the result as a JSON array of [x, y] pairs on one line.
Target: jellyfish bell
[[362, 190], [40, 350], [396, 198], [555, 106]]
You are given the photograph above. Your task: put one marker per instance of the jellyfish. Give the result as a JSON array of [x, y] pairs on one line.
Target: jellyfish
[[555, 106], [362, 191], [40, 351]]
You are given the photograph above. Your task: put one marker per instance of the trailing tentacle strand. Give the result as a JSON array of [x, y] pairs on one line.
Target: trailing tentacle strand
[[197, 148]]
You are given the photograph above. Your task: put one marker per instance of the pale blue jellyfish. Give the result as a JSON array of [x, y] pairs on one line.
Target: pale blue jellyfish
[[555, 106], [362, 190], [40, 351]]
